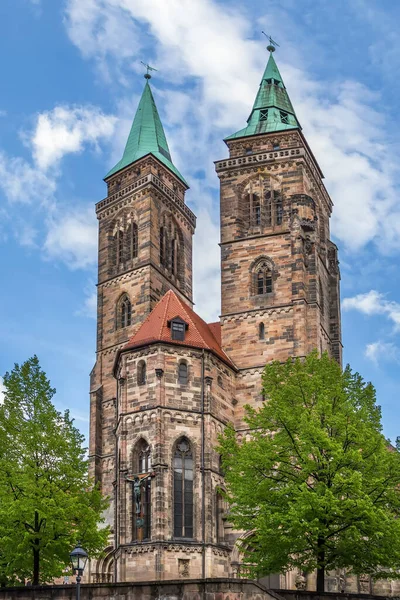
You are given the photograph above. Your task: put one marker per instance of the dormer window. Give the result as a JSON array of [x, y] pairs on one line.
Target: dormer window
[[284, 117], [264, 114], [178, 329]]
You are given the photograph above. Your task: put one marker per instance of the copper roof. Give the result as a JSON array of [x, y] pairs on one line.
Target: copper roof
[[198, 334]]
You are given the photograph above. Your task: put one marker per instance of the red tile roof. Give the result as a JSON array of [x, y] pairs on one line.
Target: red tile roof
[[198, 334]]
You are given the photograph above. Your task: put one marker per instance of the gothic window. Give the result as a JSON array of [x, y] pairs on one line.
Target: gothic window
[[124, 312], [173, 257], [278, 208], [121, 255], [141, 373], [171, 247], [220, 381], [262, 279], [284, 117], [268, 207], [124, 241], [261, 331], [162, 246], [142, 465], [132, 241], [264, 114], [183, 373], [183, 490]]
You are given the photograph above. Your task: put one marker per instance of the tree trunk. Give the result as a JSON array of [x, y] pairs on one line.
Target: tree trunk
[[36, 553], [321, 566], [35, 580]]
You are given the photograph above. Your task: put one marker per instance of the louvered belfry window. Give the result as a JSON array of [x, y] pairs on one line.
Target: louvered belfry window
[[183, 490]]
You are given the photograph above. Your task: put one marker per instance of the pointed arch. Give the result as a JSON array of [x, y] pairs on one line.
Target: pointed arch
[[141, 372], [141, 464], [183, 488], [262, 277], [123, 240], [124, 312]]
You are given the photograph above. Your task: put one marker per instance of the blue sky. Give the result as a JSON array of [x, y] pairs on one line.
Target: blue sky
[[71, 79]]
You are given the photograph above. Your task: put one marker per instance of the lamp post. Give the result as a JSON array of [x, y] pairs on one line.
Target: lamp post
[[78, 560]]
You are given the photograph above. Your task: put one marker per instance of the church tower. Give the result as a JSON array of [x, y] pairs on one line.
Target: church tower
[[145, 249], [166, 383], [280, 277]]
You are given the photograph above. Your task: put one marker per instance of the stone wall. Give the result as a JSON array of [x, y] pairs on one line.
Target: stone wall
[[210, 589]]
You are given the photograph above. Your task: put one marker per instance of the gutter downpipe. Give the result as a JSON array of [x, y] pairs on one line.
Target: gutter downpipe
[[116, 484], [203, 482]]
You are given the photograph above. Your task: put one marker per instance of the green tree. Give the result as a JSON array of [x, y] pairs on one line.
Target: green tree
[[47, 503], [316, 481]]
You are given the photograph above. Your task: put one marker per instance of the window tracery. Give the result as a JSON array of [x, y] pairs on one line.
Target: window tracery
[[262, 280], [124, 312], [263, 203], [123, 241], [183, 489], [171, 247], [142, 465]]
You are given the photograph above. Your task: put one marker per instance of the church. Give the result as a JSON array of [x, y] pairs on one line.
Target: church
[[165, 382]]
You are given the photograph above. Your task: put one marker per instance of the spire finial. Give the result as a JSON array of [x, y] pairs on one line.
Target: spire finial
[[149, 68], [272, 43]]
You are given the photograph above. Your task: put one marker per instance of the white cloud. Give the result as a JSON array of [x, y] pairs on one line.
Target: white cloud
[[72, 238], [382, 351], [89, 308], [347, 134], [374, 303], [2, 390], [65, 130], [24, 183]]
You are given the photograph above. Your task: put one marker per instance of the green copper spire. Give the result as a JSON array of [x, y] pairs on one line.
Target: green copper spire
[[272, 109], [146, 136]]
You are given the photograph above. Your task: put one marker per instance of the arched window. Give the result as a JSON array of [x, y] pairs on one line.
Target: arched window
[[131, 241], [220, 381], [173, 256], [254, 207], [261, 331], [268, 208], [183, 490], [263, 279], [278, 208], [141, 373], [121, 254], [183, 373], [162, 246], [142, 519], [124, 312]]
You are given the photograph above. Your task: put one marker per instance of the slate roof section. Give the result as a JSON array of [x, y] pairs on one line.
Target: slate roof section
[[147, 136], [198, 335], [272, 99]]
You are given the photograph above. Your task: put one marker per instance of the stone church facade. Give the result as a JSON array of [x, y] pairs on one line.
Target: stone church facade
[[166, 383]]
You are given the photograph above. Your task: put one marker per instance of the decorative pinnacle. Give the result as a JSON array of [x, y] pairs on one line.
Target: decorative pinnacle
[[272, 43], [149, 68]]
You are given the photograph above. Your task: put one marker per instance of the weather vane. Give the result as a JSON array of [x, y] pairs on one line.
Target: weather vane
[[149, 68], [272, 43]]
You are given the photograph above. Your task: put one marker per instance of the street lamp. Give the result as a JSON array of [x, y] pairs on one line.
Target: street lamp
[[78, 560]]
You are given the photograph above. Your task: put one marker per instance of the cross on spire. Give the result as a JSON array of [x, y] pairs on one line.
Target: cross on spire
[[272, 43]]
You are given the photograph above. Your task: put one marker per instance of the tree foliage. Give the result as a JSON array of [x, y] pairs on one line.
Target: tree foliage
[[46, 501], [315, 480]]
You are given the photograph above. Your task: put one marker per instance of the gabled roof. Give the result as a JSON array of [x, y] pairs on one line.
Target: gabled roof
[[272, 99], [156, 328], [146, 137]]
